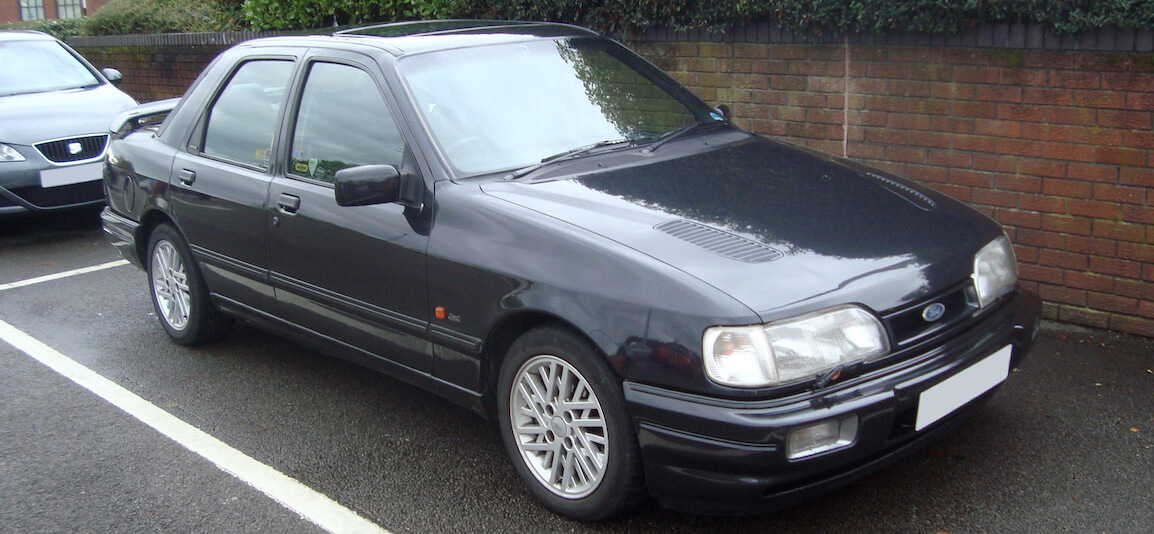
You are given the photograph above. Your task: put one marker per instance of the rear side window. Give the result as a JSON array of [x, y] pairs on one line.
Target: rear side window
[[242, 121], [343, 122]]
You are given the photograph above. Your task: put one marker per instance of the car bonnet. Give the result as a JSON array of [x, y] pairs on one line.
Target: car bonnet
[[27, 119], [775, 227]]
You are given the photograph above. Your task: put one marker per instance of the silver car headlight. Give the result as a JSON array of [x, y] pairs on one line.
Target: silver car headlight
[[995, 270], [8, 153], [792, 350]]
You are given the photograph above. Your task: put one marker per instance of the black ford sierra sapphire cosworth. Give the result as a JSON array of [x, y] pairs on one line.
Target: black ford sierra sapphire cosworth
[[536, 223]]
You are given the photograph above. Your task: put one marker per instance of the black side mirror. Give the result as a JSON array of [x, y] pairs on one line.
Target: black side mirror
[[112, 74], [367, 184]]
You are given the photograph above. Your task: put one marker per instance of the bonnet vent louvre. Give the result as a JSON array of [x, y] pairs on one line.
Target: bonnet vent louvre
[[719, 242]]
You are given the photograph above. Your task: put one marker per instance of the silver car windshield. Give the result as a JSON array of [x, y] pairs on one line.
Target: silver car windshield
[[40, 66], [502, 107]]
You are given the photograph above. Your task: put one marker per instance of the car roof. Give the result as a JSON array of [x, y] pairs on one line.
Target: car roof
[[426, 36], [24, 35]]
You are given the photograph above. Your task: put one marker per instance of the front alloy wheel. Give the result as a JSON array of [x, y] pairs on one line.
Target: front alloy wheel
[[565, 427], [559, 428]]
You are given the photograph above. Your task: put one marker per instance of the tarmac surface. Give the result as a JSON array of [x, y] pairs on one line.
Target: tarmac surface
[[1066, 445]]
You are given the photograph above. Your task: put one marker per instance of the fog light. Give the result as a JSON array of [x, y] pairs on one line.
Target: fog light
[[821, 437]]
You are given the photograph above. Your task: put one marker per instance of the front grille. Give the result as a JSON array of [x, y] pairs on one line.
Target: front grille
[[64, 195], [909, 326], [74, 149]]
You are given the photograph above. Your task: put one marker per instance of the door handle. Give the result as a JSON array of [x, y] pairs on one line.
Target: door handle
[[186, 176], [288, 203]]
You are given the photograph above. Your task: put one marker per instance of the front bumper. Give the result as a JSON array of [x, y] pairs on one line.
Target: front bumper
[[712, 455], [21, 190]]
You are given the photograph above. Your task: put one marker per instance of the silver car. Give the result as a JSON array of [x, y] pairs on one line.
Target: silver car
[[55, 108]]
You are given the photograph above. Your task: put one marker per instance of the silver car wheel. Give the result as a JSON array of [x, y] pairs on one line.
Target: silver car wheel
[[170, 285], [559, 426]]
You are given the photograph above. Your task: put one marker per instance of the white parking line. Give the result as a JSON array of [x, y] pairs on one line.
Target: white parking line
[[312, 505], [65, 274]]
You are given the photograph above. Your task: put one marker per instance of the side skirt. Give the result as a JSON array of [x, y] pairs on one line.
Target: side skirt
[[468, 399]]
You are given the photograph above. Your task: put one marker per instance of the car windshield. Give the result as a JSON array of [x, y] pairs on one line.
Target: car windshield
[[40, 66], [502, 107]]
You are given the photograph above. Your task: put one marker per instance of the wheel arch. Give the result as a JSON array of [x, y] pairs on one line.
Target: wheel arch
[[502, 336], [148, 222]]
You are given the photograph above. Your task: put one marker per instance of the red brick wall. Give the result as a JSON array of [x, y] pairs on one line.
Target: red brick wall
[[9, 10], [1055, 144], [153, 73], [156, 67]]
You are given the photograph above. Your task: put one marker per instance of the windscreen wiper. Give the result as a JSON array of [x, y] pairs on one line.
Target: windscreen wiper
[[570, 154], [681, 132]]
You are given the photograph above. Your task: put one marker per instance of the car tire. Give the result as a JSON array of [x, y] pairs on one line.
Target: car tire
[[565, 427], [179, 295]]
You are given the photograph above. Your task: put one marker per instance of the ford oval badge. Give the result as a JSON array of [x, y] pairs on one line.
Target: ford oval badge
[[933, 312]]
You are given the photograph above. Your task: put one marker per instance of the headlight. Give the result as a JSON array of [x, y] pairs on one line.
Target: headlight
[[8, 153], [792, 350], [995, 270]]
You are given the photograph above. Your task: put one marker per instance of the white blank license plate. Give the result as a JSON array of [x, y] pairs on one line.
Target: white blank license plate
[[953, 393], [71, 175]]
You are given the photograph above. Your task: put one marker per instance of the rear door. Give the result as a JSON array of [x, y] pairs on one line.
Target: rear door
[[220, 183], [354, 274]]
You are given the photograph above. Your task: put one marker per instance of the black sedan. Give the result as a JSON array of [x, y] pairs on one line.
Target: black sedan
[[536, 223], [54, 114]]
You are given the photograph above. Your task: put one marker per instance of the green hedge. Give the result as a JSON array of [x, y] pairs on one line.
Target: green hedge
[[306, 14], [57, 28], [873, 16], [125, 17], [616, 17]]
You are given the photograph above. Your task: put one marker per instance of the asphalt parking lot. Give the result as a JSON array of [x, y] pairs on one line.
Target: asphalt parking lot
[[1067, 445]]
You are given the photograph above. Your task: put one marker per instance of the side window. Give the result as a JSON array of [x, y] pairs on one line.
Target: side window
[[342, 122], [242, 121]]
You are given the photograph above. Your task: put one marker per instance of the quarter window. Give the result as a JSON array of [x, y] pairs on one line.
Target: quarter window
[[242, 122], [343, 122]]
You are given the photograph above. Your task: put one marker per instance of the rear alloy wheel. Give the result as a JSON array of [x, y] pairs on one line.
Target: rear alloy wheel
[[170, 285], [565, 427], [178, 291]]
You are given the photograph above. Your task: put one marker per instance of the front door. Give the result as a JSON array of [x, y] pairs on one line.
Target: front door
[[354, 274]]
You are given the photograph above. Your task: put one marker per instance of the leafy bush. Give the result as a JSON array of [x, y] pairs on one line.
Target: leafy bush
[[1072, 15], [126, 17], [305, 14], [618, 17], [57, 28], [231, 13], [875, 16]]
